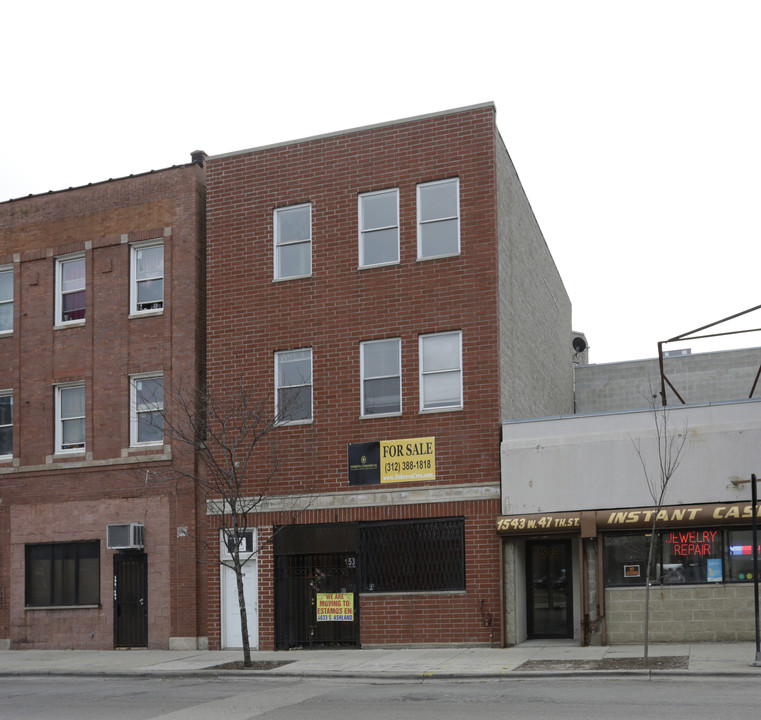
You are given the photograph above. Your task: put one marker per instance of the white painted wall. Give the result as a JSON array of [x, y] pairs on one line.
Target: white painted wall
[[589, 462]]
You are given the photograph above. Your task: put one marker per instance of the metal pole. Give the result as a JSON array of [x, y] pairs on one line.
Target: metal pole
[[754, 500]]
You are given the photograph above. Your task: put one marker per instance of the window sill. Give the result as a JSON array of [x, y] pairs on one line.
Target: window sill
[[291, 277], [6, 333], [73, 323], [61, 607], [145, 313], [378, 265], [423, 258], [429, 411], [401, 593], [289, 423], [380, 415]]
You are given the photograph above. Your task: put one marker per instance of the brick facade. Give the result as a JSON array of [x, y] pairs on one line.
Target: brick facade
[[53, 497], [338, 305]]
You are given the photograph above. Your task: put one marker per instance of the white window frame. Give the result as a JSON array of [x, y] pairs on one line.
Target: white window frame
[[424, 373], [366, 233], [59, 420], [421, 223], [60, 262], [364, 346], [309, 383], [134, 281], [136, 411], [8, 393], [8, 270], [278, 275]]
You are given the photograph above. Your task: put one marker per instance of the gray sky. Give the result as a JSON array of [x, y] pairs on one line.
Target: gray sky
[[635, 127]]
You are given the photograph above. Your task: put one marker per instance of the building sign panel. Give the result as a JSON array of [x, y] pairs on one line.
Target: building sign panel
[[364, 463], [412, 460], [632, 518], [335, 607], [392, 461]]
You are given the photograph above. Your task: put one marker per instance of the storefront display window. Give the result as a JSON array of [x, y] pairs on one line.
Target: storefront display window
[[739, 558], [682, 556]]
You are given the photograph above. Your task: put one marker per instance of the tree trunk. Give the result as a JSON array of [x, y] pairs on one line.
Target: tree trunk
[[242, 606]]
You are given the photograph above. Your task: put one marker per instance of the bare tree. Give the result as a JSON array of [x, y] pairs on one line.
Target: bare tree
[[669, 446], [232, 436]]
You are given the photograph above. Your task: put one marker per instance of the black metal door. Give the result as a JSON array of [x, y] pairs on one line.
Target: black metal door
[[303, 581], [131, 600], [548, 582]]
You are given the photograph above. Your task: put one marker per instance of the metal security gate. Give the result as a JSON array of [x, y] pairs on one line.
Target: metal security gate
[[131, 600], [316, 601]]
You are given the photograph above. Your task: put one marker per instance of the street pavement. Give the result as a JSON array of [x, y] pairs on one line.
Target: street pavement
[[708, 659]]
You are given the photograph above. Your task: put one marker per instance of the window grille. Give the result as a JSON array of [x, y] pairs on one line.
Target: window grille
[[415, 556]]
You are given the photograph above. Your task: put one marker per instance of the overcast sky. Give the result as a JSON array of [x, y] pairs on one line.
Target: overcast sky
[[635, 127]]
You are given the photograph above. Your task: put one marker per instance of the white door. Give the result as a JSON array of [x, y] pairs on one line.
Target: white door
[[231, 635]]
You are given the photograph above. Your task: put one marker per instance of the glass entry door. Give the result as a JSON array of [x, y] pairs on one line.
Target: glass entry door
[[549, 602]]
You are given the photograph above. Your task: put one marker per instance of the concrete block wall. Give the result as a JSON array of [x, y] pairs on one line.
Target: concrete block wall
[[699, 378], [722, 612], [534, 309]]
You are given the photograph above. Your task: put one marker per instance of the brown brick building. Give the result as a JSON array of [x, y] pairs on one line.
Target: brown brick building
[[387, 293], [100, 300]]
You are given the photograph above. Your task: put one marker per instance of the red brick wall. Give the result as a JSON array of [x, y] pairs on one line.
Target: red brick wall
[[99, 220], [250, 317]]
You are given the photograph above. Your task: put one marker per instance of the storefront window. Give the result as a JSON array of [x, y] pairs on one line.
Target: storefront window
[[691, 556], [740, 555], [626, 558], [681, 556]]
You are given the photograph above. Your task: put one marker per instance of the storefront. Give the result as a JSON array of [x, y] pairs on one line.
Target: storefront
[[582, 575]]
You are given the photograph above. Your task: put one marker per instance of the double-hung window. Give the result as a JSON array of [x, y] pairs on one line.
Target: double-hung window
[[70, 417], [380, 367], [438, 218], [293, 241], [379, 228], [293, 386], [147, 277], [6, 300], [6, 423], [146, 409], [70, 290], [441, 371], [63, 574]]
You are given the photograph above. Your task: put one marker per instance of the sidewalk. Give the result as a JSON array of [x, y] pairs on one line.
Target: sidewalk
[[733, 659]]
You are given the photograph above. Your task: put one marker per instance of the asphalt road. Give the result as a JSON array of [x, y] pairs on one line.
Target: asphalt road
[[590, 698]]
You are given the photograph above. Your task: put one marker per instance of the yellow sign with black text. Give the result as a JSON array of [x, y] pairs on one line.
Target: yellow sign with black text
[[412, 460], [332, 607]]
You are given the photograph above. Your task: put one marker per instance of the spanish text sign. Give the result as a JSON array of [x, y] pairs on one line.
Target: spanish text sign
[[411, 460], [335, 606]]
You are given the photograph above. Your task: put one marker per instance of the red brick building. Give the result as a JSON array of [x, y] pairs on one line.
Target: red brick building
[[100, 316], [387, 294]]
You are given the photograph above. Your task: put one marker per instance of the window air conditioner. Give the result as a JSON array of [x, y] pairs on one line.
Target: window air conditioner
[[125, 537]]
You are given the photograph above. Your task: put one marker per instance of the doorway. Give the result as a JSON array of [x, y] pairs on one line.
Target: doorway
[[549, 600], [130, 600], [231, 632]]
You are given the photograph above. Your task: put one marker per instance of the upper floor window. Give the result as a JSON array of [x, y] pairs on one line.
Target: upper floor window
[[380, 366], [70, 417], [6, 299], [146, 409], [6, 423], [379, 228], [441, 371], [293, 241], [70, 289], [438, 217], [293, 386], [147, 277]]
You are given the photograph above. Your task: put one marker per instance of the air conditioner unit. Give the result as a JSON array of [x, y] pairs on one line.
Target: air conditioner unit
[[125, 537]]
